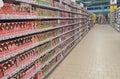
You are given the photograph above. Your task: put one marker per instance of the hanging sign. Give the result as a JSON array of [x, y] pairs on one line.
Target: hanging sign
[[113, 2], [1, 3]]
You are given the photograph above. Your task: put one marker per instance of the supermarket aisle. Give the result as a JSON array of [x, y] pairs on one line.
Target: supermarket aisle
[[96, 57]]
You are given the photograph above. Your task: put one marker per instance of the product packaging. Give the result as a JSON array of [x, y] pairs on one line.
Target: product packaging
[[39, 75], [29, 70], [8, 66]]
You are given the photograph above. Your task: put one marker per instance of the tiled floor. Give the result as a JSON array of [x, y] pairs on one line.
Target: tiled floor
[[97, 56]]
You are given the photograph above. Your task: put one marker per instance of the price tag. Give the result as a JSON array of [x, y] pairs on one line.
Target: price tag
[[1, 3]]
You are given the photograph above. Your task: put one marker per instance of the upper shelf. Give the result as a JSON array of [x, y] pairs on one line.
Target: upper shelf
[[47, 7], [71, 5]]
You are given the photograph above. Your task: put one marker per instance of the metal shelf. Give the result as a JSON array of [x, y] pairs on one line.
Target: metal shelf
[[33, 46], [36, 19], [49, 61], [78, 35], [52, 68], [60, 60], [44, 6], [19, 68], [35, 32]]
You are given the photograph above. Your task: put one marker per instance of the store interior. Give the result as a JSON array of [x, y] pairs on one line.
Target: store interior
[[59, 39]]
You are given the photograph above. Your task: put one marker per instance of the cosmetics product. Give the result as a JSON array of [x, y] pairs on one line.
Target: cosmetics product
[[39, 75], [1, 71], [59, 57], [44, 24], [43, 59], [55, 41], [27, 56], [44, 69], [28, 71], [8, 65], [16, 76], [1, 50], [37, 63]]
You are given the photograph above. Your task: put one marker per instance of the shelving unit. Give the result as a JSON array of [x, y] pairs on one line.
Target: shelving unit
[[115, 19], [35, 38]]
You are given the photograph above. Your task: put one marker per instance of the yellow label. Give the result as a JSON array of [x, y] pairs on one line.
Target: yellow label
[[94, 18], [113, 7]]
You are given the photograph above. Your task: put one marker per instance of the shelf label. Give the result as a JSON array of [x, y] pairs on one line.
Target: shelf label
[[1, 3]]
